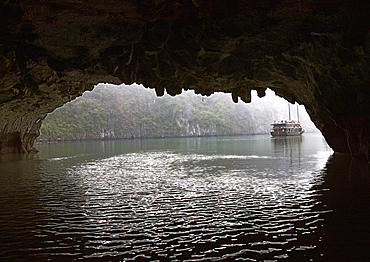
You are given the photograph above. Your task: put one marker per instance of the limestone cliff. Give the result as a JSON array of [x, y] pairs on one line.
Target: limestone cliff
[[315, 52]]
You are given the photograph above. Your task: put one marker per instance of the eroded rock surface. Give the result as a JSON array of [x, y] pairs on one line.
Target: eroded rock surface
[[314, 52]]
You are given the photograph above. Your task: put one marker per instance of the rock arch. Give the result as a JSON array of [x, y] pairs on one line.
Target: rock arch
[[313, 52]]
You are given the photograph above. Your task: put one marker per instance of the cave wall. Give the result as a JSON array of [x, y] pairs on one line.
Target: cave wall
[[312, 52]]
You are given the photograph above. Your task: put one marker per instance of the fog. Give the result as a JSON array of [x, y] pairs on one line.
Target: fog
[[280, 110], [274, 106]]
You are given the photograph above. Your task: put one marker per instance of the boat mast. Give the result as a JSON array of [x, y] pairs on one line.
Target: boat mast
[[289, 111], [297, 113]]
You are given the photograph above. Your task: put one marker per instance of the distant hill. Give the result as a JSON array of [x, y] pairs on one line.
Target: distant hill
[[111, 111]]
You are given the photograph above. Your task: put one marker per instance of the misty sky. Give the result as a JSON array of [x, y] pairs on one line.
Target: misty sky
[[269, 103]]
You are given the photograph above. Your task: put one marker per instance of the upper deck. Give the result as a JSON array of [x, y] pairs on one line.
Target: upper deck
[[286, 123]]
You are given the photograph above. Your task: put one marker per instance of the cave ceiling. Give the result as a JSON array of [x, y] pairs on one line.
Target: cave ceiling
[[313, 52]]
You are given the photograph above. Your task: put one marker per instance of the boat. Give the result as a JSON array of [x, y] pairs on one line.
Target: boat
[[287, 127]]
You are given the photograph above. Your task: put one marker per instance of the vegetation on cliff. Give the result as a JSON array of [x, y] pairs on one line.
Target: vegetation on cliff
[[111, 111]]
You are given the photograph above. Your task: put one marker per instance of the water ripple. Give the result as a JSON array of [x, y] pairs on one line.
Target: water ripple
[[164, 206], [168, 206]]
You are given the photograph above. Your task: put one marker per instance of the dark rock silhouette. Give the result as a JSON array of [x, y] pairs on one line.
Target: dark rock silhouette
[[314, 52]]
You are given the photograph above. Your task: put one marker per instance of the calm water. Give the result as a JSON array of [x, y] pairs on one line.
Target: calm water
[[247, 198]]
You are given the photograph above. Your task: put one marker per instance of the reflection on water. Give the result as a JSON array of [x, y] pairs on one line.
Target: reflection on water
[[249, 198], [287, 146], [346, 191]]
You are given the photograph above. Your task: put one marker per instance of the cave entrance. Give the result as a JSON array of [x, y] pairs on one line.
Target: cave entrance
[[112, 111]]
